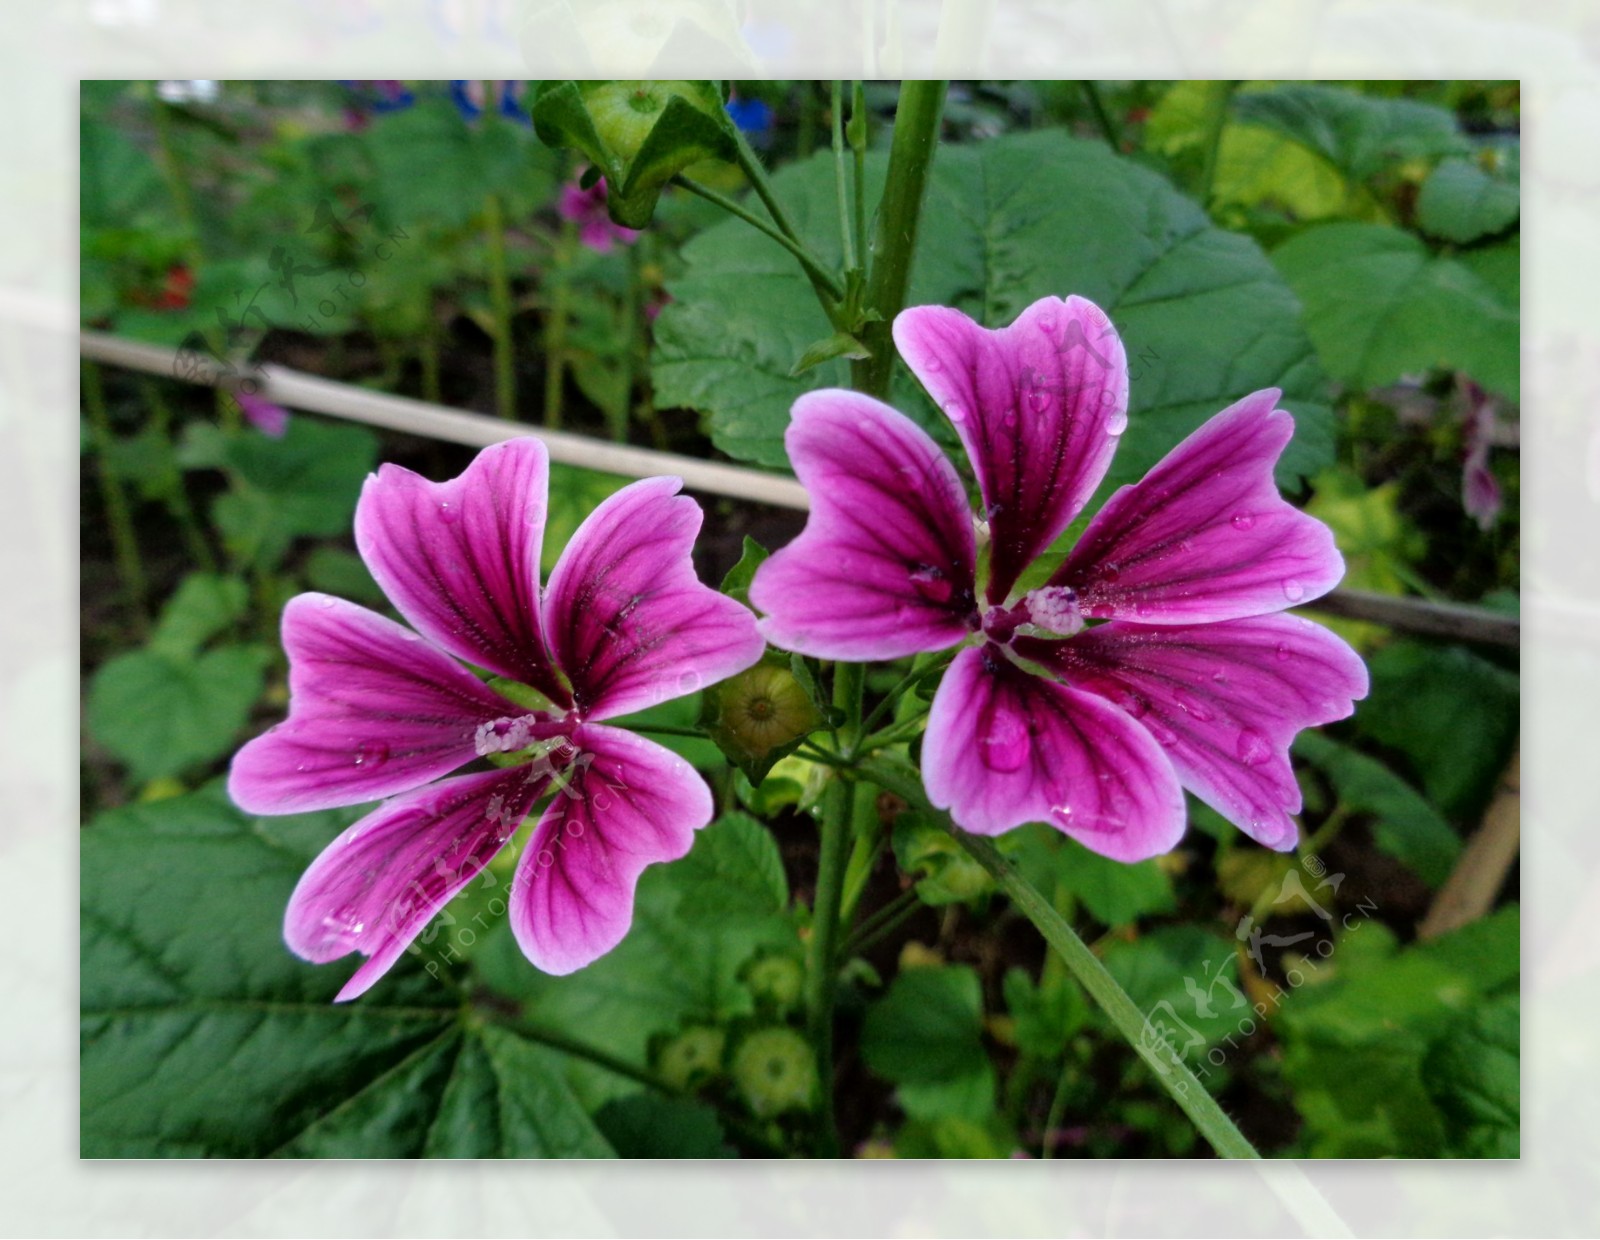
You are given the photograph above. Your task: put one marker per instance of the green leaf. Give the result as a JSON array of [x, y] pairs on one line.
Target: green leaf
[[574, 494], [1204, 317], [313, 475], [1184, 979], [203, 605], [737, 582], [946, 873], [1473, 1075], [1046, 1015], [840, 344], [203, 1036], [1413, 686], [1405, 824], [926, 1036], [650, 1126], [734, 871], [1354, 1047], [1114, 892], [161, 714], [1379, 306], [333, 570], [1359, 134], [680, 963], [1461, 202]]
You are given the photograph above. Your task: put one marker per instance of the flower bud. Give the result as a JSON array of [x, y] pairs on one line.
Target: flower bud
[[639, 134], [691, 1057], [759, 716], [775, 1071], [775, 979]]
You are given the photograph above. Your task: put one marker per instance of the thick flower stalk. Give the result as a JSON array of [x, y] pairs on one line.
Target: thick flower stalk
[[1153, 659], [378, 710]]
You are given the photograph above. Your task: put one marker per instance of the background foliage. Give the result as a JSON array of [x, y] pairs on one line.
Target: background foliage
[[1356, 244]]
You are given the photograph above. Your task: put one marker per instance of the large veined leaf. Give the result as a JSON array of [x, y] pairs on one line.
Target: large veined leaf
[[1203, 315], [1379, 305], [203, 1036]]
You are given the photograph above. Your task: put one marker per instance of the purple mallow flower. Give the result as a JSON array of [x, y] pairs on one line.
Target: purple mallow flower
[[1193, 682], [378, 710], [587, 209]]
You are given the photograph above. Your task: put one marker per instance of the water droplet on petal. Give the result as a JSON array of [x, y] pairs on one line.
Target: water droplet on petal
[[448, 513], [1243, 520], [1160, 731], [1039, 400], [689, 682], [1293, 590], [327, 602], [1047, 323], [406, 635], [1252, 748], [1005, 748], [932, 364], [1062, 814], [1193, 705], [1110, 571], [1283, 652], [371, 753], [931, 584], [1009, 419], [956, 412], [1134, 704], [1117, 422]]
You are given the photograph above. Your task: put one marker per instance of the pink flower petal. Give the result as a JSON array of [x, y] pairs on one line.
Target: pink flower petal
[[1005, 747], [1225, 700], [885, 565], [629, 622], [376, 887], [1205, 535], [460, 559], [373, 710], [627, 804], [1480, 490], [1039, 406]]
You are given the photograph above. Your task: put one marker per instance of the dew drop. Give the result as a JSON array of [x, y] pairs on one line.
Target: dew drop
[[1293, 590], [1006, 746], [688, 682], [931, 584], [448, 514], [1193, 706], [1039, 400], [1243, 520], [1047, 323], [1161, 731], [1062, 814], [932, 364], [1117, 422], [371, 753], [326, 602], [1009, 419], [956, 412], [1252, 748], [1283, 652], [1110, 571], [1134, 704]]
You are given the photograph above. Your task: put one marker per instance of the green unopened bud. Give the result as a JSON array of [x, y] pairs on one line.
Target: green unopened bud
[[775, 1071], [759, 716], [692, 1057], [775, 979], [640, 134]]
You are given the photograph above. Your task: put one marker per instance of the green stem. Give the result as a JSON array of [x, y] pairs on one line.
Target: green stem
[[177, 183], [1213, 139], [894, 240], [847, 237], [555, 326], [858, 146], [505, 375], [632, 300], [177, 499], [822, 963], [125, 546], [1108, 127], [821, 278], [1058, 1107], [880, 923], [1170, 1070]]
